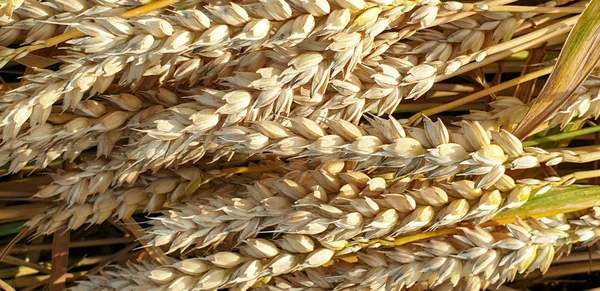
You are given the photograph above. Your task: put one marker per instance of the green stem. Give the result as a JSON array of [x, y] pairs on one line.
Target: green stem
[[561, 136], [523, 55]]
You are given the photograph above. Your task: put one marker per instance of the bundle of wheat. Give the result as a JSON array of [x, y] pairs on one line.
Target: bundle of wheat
[[268, 141]]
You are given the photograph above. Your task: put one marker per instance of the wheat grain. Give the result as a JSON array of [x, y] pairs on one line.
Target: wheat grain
[[218, 83]]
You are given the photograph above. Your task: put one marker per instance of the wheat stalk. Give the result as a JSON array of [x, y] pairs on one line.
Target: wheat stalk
[[221, 270], [507, 112], [428, 150]]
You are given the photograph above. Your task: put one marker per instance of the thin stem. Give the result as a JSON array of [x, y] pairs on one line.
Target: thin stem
[[156, 253], [414, 108], [571, 199], [543, 19], [452, 230], [524, 55], [462, 88], [532, 9], [6, 286], [20, 262], [148, 8], [23, 211], [563, 270], [561, 136], [461, 15], [481, 94], [506, 49], [74, 244], [15, 272], [22, 282], [582, 175], [6, 249], [578, 257], [60, 259], [538, 36]]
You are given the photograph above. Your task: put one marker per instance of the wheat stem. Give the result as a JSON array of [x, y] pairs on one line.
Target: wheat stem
[[481, 94], [5, 286], [461, 15], [581, 175], [452, 230], [500, 219], [506, 49], [536, 35], [532, 9], [156, 253], [22, 282], [562, 136], [540, 20], [22, 248]]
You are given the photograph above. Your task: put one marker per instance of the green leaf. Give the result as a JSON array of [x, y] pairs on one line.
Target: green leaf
[[579, 56], [12, 228], [556, 201]]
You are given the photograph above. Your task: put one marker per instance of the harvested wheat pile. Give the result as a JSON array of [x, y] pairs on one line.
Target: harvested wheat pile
[[298, 144]]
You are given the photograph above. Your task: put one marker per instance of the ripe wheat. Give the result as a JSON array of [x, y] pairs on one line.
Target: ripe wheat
[[472, 259]]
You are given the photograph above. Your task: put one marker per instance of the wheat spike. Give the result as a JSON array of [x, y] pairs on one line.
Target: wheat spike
[[261, 137], [338, 207], [76, 78], [93, 189], [472, 259]]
